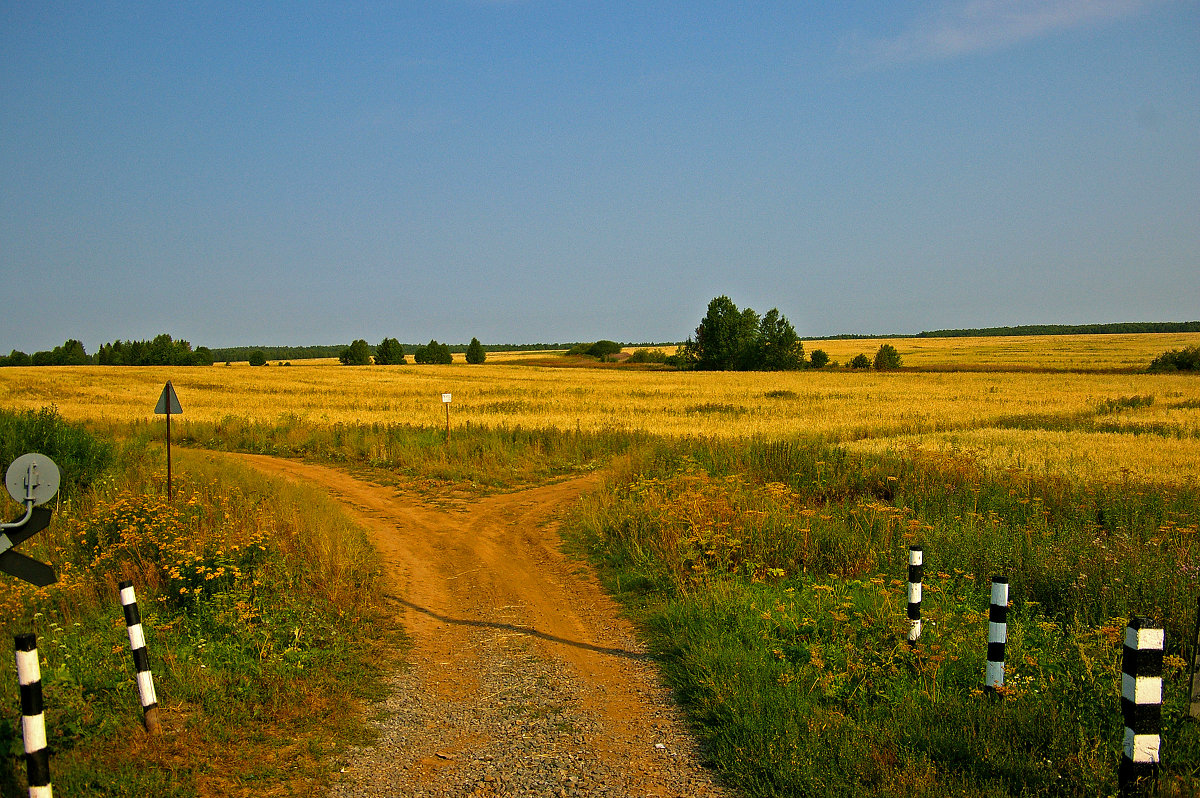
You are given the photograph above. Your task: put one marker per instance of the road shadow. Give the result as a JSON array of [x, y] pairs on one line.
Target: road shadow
[[523, 630]]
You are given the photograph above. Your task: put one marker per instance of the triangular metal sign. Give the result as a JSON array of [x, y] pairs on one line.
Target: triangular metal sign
[[168, 403]]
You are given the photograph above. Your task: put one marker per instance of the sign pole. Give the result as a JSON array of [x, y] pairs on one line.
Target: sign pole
[[168, 405], [168, 454], [446, 402]]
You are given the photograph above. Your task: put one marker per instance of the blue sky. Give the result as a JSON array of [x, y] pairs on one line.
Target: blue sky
[[525, 171]]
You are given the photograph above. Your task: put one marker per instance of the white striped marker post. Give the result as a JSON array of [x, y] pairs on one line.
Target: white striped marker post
[[916, 572], [997, 634], [1141, 704], [33, 719], [141, 660]]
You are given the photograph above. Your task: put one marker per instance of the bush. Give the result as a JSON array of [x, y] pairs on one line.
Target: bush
[[475, 353], [357, 354], [1187, 359], [887, 358], [819, 359], [604, 349], [860, 362], [257, 358], [648, 356], [80, 458]]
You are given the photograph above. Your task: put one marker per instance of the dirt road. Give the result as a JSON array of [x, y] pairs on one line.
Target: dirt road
[[523, 679]]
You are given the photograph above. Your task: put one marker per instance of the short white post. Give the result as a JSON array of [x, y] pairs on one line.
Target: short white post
[[141, 659], [1141, 706], [33, 718], [916, 571], [997, 634]]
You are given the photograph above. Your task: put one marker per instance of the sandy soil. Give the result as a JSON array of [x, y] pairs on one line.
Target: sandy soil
[[490, 603]]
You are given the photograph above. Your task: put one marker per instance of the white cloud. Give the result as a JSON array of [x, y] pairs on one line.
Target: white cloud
[[959, 28]]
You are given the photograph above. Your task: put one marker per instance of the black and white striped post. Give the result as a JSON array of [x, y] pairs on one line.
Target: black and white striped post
[[141, 660], [33, 719], [916, 572], [1141, 704], [997, 634]]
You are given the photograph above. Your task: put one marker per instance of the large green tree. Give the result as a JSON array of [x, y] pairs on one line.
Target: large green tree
[[357, 354], [390, 352], [733, 339], [782, 349], [475, 353], [433, 353], [727, 338]]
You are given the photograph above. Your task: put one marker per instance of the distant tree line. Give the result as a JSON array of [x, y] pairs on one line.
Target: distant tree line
[[162, 351], [1069, 329], [390, 352]]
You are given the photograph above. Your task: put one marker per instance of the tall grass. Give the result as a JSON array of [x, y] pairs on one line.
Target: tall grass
[[261, 606], [771, 579]]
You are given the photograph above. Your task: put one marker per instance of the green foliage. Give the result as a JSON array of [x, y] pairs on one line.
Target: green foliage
[[80, 457], [16, 358], [604, 349], [781, 349], [648, 356], [260, 603], [475, 353], [357, 354], [1069, 329], [257, 358], [162, 351], [390, 353], [434, 353], [860, 362], [887, 358], [772, 580], [732, 339], [819, 359], [1187, 359]]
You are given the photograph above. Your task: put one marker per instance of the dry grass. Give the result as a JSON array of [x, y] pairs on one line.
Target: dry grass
[[967, 410]]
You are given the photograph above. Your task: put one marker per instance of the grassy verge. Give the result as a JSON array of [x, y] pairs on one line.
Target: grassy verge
[[263, 621], [770, 579]]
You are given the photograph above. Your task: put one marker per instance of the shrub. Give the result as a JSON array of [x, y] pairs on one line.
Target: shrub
[[860, 362], [1187, 359], [475, 353], [80, 457], [648, 356], [819, 359], [257, 358], [887, 358], [604, 349]]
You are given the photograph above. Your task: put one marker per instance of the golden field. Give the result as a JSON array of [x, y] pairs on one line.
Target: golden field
[[1090, 425]]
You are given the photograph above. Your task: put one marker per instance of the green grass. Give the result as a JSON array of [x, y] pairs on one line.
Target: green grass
[[771, 582], [263, 618]]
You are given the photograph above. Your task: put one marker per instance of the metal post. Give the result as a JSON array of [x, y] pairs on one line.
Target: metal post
[[997, 634], [33, 718], [168, 453], [1141, 706], [916, 571]]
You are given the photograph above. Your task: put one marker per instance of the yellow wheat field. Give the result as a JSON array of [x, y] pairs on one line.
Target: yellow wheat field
[[1108, 425]]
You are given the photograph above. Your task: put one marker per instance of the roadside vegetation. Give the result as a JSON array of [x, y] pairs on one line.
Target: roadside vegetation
[[770, 579], [261, 607]]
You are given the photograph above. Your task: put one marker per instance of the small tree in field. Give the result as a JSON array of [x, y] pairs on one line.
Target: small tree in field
[[887, 358], [819, 359], [257, 358], [390, 352], [860, 362], [357, 354], [433, 353], [475, 353]]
